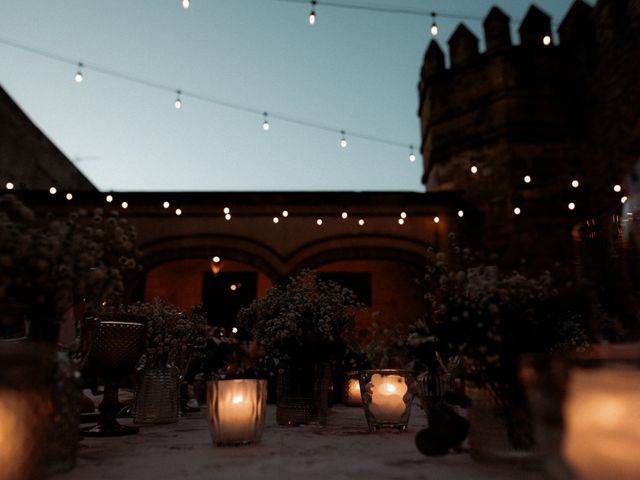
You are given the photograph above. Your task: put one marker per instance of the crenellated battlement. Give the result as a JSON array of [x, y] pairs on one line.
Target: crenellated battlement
[[529, 106]]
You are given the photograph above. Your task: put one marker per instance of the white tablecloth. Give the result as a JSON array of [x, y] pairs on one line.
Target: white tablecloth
[[343, 449]]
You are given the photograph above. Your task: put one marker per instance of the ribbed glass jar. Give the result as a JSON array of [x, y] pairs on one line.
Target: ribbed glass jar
[[303, 394], [157, 400]]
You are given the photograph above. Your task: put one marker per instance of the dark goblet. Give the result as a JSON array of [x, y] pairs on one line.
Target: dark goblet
[[115, 352]]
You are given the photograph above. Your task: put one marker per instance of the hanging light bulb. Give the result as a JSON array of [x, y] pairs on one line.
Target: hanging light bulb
[[546, 40], [265, 123], [10, 185], [185, 4], [343, 140], [344, 215], [178, 102], [78, 78], [434, 25], [412, 156], [312, 15]]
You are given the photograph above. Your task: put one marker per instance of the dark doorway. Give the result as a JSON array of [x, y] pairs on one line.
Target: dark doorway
[[224, 294], [358, 282]]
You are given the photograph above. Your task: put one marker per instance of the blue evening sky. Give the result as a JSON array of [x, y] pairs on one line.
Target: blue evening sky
[[354, 70]]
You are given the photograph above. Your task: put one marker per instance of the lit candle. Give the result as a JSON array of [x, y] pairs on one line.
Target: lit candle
[[387, 397], [236, 410], [351, 392], [602, 422]]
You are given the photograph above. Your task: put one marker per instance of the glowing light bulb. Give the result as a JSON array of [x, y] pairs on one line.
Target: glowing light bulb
[[216, 259], [546, 40], [617, 188], [265, 123], [125, 205], [285, 213], [434, 25], [623, 199], [575, 183], [436, 219], [233, 287], [166, 205], [69, 196], [474, 169], [185, 4], [178, 211], [227, 216], [527, 179], [401, 221], [361, 221], [343, 140], [10, 186], [109, 198], [517, 211], [344, 215], [403, 214], [412, 156], [460, 213], [319, 221], [53, 190], [571, 206], [226, 210], [276, 219], [234, 330], [178, 102], [78, 76], [312, 15]]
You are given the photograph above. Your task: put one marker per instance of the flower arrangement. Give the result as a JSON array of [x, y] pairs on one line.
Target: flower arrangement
[[50, 264], [173, 337], [306, 320]]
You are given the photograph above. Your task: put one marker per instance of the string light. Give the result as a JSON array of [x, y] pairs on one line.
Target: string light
[[474, 169], [178, 212], [546, 40], [276, 219], [69, 196], [617, 188], [460, 213], [436, 219], [403, 214], [166, 205], [178, 102], [234, 330], [623, 199], [185, 4], [571, 206], [265, 123], [343, 140], [285, 213], [434, 25], [517, 210], [319, 221], [10, 186], [216, 259], [109, 198], [344, 215], [401, 221], [575, 183], [125, 205], [227, 216], [361, 222], [412, 156], [53, 190], [527, 179], [312, 15], [78, 77], [226, 210]]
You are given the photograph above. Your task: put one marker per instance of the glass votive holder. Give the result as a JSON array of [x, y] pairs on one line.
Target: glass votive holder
[[351, 396], [26, 380], [386, 396], [236, 410], [587, 413]]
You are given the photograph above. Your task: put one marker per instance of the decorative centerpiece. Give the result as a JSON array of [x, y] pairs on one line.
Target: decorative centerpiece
[[172, 339], [303, 327], [387, 396], [490, 318]]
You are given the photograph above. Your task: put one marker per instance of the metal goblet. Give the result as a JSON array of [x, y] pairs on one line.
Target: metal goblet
[[116, 349]]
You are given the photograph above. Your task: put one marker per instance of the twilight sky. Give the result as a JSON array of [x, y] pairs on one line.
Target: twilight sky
[[354, 70]]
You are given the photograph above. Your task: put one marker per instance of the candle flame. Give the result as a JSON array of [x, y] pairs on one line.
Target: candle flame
[[237, 399]]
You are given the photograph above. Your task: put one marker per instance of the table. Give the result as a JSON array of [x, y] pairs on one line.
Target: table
[[343, 449]]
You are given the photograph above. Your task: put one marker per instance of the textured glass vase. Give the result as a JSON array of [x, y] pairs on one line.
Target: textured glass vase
[[157, 399], [303, 394], [386, 396]]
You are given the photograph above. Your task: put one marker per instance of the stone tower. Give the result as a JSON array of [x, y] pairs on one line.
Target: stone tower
[[552, 112]]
